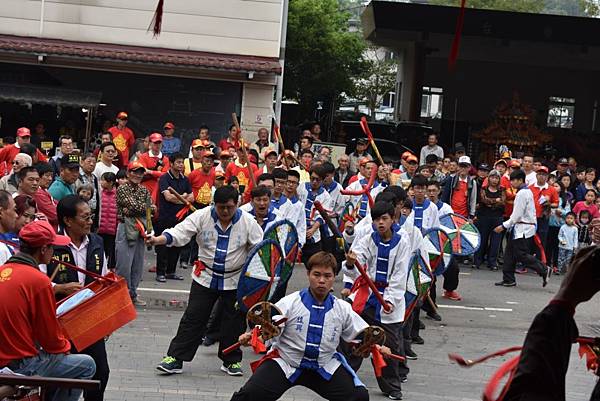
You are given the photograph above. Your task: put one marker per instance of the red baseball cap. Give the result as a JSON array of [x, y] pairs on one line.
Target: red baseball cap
[[169, 125], [208, 153], [269, 151], [136, 165], [122, 116], [40, 233], [155, 137], [23, 131], [542, 169], [411, 158], [363, 161], [514, 164]]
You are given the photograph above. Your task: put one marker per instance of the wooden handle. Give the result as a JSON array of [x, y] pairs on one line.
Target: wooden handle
[[181, 199]]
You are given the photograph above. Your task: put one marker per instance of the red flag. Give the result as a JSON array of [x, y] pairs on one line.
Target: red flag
[[255, 342], [378, 361], [457, 35]]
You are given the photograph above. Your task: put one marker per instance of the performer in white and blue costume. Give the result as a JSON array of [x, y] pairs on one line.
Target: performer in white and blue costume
[[261, 209], [386, 256], [424, 213], [305, 353]]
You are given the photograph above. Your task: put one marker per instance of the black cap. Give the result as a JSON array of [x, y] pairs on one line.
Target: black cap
[[362, 140], [70, 161], [484, 167], [563, 160]]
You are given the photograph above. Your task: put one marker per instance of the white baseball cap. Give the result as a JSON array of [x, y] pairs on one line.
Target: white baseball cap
[[464, 160]]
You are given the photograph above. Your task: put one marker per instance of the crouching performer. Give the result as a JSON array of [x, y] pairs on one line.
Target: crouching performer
[[311, 323]]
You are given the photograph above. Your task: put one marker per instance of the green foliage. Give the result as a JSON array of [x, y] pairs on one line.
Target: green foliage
[[322, 56], [580, 8], [378, 78]]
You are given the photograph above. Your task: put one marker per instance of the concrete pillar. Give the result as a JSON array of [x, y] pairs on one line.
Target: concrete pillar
[[409, 82]]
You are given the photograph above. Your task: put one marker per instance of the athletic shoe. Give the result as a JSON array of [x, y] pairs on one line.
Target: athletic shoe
[[475, 267], [421, 325], [207, 342], [170, 365], [234, 369], [453, 295], [161, 279], [410, 354], [174, 277], [395, 395], [418, 340], [403, 378], [435, 316], [139, 302], [185, 265], [506, 283], [555, 270]]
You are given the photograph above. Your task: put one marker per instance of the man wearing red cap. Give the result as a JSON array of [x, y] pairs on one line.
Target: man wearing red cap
[[156, 164], [32, 340], [195, 161], [8, 153], [170, 143], [122, 137]]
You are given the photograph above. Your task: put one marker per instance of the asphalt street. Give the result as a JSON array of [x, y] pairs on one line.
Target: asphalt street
[[487, 319]]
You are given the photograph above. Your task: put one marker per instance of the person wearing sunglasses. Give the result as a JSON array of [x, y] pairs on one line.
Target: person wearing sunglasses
[[10, 183]]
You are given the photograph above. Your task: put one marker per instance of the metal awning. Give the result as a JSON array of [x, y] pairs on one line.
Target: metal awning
[[48, 95]]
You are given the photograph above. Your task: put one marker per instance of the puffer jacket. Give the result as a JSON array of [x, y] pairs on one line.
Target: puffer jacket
[[108, 212]]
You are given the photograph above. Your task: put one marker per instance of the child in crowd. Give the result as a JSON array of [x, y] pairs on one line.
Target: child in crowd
[[108, 215], [584, 231], [234, 182], [85, 192], [567, 242], [121, 177]]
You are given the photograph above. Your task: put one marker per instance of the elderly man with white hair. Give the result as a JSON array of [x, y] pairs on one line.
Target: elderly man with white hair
[[10, 182]]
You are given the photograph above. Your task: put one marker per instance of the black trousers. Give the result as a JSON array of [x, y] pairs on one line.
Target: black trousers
[[451, 275], [98, 352], [390, 375], [269, 383], [109, 249], [166, 257], [195, 318], [543, 225], [519, 250], [189, 252], [552, 246], [309, 249], [213, 327]]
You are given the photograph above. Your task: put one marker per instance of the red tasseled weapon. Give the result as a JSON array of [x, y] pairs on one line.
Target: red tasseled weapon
[[457, 35]]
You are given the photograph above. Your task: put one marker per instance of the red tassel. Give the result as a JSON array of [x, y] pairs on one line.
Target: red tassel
[[255, 342], [156, 23], [591, 359], [181, 214], [378, 361], [457, 35], [538, 243]]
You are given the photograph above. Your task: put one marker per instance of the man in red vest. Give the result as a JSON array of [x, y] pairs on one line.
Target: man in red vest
[[156, 165]]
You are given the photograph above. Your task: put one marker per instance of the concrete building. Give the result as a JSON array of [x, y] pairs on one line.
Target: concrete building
[[212, 58], [551, 61]]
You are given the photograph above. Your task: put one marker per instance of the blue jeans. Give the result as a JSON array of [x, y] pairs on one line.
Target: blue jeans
[[72, 366], [490, 240]]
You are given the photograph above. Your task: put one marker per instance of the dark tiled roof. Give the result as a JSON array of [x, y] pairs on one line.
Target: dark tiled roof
[[138, 54]]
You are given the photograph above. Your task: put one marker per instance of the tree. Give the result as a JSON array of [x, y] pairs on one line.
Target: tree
[[579, 8], [322, 56], [377, 80]]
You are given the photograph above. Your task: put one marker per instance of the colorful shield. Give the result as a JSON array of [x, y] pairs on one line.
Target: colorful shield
[[418, 282], [260, 274], [436, 244], [286, 236], [464, 236], [347, 215]]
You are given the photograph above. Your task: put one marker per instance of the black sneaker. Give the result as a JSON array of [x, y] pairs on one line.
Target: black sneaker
[[421, 325], [435, 316], [174, 277], [207, 342], [418, 340], [170, 365], [546, 276], [410, 354], [161, 279], [505, 283], [234, 369], [403, 378], [395, 395]]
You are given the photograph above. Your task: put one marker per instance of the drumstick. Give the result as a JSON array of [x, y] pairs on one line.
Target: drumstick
[[238, 344], [181, 199]]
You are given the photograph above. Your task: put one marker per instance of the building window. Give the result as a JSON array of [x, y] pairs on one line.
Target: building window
[[561, 112], [431, 102]]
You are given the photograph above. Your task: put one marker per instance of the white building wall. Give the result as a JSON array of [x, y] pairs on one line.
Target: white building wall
[[247, 27], [257, 109]]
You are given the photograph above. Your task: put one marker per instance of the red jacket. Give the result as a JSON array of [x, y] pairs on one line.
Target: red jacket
[[108, 212], [7, 155], [46, 205], [157, 166]]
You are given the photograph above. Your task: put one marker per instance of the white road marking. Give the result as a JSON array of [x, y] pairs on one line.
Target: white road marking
[[478, 308], [464, 273], [164, 290], [512, 302]]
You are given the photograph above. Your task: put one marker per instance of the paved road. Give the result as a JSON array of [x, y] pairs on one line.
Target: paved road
[[487, 319]]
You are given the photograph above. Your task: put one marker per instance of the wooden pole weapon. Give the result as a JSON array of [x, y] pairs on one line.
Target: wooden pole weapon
[[243, 148]]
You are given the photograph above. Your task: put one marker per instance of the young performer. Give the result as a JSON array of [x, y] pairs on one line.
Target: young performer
[[424, 212], [224, 234], [304, 354], [295, 211], [338, 203], [308, 193], [278, 198], [521, 229], [362, 201], [386, 256], [260, 207]]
